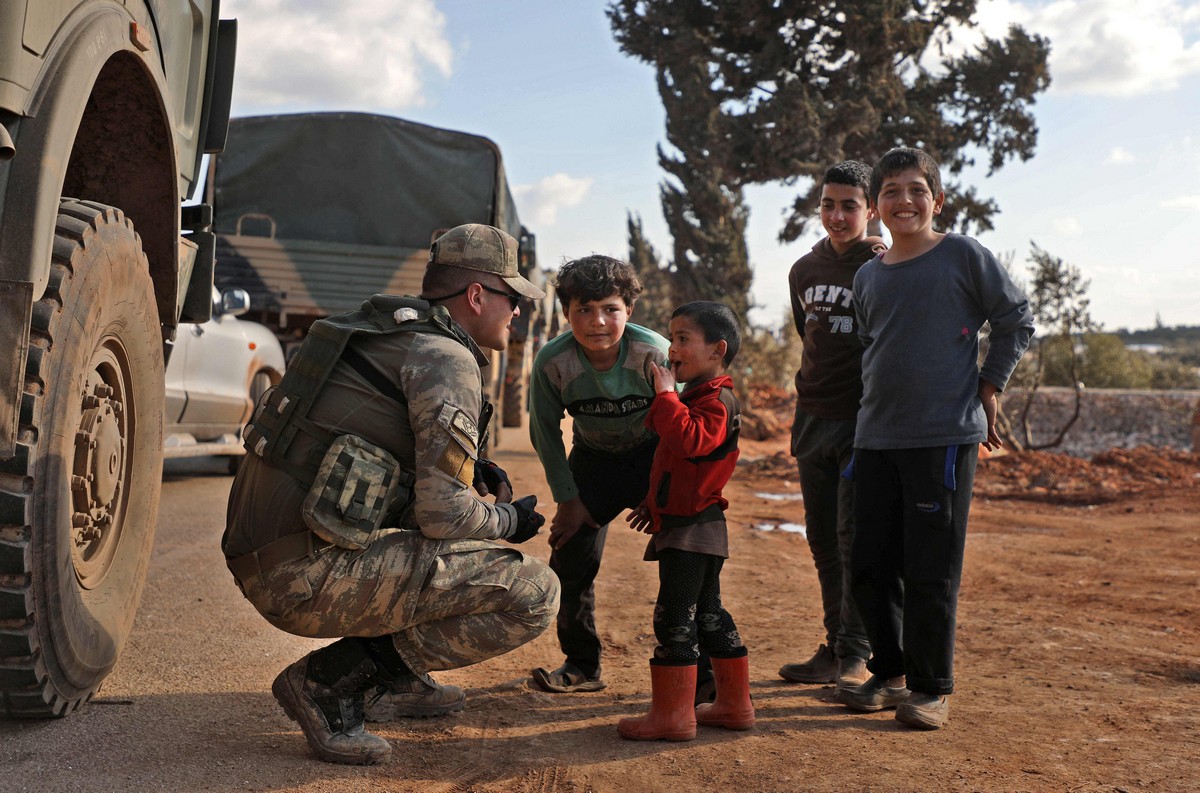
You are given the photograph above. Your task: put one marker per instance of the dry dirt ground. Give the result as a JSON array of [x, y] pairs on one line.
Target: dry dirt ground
[[1078, 662], [1078, 665]]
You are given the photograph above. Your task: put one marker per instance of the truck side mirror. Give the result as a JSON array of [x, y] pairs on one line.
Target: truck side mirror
[[234, 302]]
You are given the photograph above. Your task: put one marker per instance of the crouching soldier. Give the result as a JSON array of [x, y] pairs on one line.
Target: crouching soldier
[[352, 516]]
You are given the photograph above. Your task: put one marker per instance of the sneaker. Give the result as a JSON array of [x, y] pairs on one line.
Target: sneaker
[[332, 721], [924, 711], [418, 696], [852, 671], [821, 668], [568, 678], [872, 695]]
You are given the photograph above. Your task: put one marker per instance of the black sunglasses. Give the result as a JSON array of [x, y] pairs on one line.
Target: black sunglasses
[[513, 298]]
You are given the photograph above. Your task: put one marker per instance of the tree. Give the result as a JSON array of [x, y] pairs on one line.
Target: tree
[[1059, 302], [655, 304], [703, 205], [777, 90]]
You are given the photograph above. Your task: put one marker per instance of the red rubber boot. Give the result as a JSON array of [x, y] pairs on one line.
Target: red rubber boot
[[733, 709], [672, 715]]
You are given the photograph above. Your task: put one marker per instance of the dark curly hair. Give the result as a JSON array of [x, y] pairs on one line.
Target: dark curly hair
[[852, 173], [596, 277]]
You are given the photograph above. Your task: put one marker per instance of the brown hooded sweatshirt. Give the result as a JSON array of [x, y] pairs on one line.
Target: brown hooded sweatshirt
[[829, 383]]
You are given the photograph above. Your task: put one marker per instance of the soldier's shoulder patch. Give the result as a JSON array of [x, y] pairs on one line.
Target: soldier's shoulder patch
[[459, 458], [460, 424], [461, 421]]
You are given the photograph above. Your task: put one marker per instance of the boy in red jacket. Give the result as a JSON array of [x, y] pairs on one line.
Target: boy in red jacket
[[684, 513]]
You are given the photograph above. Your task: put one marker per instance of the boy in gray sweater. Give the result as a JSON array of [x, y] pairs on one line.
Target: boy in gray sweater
[[927, 406]]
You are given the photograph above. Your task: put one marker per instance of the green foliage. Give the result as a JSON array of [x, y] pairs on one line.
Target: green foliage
[[1169, 373], [1105, 362], [1180, 345], [657, 301], [1058, 295], [703, 203], [769, 357], [1058, 299], [759, 92], [1108, 364]]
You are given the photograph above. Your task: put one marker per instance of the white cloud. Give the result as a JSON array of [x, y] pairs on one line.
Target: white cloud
[[1120, 156], [1068, 227], [1189, 202], [1103, 47], [540, 202], [336, 54]]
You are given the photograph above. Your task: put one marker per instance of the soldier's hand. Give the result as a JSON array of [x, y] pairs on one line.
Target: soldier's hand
[[529, 520], [490, 479]]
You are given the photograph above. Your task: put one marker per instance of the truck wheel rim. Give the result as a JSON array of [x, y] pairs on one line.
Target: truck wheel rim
[[101, 464]]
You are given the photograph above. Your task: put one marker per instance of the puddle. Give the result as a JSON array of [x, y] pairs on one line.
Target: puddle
[[780, 496], [790, 528]]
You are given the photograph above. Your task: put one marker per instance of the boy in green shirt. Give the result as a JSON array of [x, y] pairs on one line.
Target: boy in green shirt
[[597, 375]]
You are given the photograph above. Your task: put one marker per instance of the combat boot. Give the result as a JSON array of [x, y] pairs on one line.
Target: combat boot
[[414, 695], [331, 716], [732, 709], [672, 715]]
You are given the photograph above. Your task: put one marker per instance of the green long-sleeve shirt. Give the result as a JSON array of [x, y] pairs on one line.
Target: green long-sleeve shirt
[[608, 408]]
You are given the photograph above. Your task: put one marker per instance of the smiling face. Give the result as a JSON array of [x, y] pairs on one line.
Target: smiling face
[[694, 360], [906, 205], [844, 214], [597, 326]]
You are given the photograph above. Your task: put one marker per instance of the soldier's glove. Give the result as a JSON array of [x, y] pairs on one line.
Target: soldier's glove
[[490, 476], [529, 520]]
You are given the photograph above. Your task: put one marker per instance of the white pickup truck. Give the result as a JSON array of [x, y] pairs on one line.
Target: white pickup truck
[[216, 373]]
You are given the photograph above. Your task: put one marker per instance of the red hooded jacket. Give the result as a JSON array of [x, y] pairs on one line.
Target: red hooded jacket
[[697, 448]]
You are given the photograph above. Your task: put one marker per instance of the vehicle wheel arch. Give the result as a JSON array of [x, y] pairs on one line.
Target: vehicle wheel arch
[[75, 102]]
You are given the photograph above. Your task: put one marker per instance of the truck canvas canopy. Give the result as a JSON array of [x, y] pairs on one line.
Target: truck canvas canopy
[[358, 179], [315, 212]]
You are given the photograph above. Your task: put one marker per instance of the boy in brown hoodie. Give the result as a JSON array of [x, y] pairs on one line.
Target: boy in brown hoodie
[[828, 389]]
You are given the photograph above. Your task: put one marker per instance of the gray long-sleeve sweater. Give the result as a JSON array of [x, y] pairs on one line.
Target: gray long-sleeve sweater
[[919, 321]]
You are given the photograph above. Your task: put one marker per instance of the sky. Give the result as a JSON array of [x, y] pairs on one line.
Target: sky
[[1113, 188]]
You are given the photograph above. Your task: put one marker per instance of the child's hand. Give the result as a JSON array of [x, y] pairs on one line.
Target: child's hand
[[662, 378], [987, 395], [569, 518], [639, 519]]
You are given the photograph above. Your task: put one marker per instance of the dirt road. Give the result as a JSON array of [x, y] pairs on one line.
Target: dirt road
[[1078, 666]]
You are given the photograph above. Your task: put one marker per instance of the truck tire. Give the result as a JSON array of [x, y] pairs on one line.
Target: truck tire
[[79, 501], [514, 385]]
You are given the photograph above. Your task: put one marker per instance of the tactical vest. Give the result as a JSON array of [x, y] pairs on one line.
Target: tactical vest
[[283, 411]]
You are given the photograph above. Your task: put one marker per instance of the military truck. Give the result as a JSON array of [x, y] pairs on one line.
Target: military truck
[[106, 108], [315, 212]]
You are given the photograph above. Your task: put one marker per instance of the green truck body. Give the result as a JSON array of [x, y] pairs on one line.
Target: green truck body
[[106, 108], [315, 212]]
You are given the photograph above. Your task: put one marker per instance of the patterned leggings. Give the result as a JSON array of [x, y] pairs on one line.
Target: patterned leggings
[[689, 613]]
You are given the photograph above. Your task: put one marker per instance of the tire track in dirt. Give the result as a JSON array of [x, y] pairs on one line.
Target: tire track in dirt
[[544, 780]]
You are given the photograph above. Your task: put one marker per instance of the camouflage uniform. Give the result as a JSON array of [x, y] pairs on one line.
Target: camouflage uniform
[[447, 593]]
